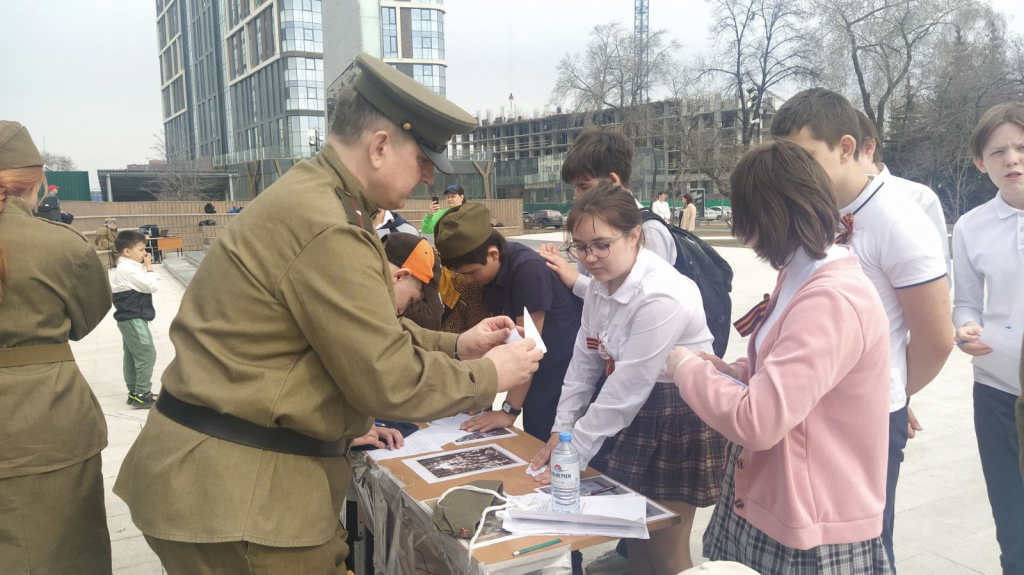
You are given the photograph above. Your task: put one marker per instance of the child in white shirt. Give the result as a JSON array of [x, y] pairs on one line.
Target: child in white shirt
[[638, 430], [133, 285], [988, 255]]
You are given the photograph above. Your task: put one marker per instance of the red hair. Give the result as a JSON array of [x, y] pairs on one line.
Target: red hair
[[15, 182]]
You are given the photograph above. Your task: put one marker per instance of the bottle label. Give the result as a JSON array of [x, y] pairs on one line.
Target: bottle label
[[565, 475]]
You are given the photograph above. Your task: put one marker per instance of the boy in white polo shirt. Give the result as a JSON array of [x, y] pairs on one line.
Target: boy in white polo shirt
[[899, 251], [988, 255]]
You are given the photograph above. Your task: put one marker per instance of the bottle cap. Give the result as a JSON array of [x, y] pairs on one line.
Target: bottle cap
[[564, 436]]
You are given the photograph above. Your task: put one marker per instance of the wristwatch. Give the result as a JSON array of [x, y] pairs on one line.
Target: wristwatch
[[507, 408]]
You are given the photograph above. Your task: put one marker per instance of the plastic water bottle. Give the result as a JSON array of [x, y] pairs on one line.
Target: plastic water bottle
[[565, 476]]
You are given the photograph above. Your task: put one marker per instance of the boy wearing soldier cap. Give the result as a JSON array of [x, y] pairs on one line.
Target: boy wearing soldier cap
[[286, 341], [514, 278]]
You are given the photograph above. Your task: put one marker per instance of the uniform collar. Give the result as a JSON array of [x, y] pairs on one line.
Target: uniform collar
[[14, 204], [1003, 209], [328, 159], [633, 281], [875, 183]]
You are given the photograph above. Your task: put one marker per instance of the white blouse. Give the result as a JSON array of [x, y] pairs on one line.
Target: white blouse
[[656, 309]]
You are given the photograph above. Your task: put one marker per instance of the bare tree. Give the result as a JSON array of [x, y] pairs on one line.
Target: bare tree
[[58, 163], [606, 75], [181, 178], [760, 45], [883, 41]]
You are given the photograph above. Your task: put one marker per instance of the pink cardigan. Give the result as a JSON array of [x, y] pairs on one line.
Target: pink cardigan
[[814, 421]]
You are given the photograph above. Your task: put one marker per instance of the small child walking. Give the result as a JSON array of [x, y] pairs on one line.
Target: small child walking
[[133, 286]]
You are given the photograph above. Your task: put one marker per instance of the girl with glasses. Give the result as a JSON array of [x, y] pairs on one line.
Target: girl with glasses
[[637, 430]]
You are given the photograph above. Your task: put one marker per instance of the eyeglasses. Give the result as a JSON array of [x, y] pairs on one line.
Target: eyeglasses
[[600, 250]]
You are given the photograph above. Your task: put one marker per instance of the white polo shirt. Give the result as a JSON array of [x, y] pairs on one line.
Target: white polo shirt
[[898, 248], [929, 202], [988, 255]]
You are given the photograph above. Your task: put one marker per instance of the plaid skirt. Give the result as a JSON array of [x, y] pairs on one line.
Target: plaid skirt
[[730, 537], [667, 453]]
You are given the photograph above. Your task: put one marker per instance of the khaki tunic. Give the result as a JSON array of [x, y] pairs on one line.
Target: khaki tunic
[[105, 238], [288, 323], [57, 290]]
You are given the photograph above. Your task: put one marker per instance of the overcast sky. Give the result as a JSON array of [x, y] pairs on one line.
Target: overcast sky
[[84, 78]]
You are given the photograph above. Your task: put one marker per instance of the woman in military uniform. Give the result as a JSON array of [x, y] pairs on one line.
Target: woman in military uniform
[[52, 288]]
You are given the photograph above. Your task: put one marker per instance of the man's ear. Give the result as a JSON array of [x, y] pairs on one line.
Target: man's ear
[[400, 273], [379, 146], [615, 178], [847, 148]]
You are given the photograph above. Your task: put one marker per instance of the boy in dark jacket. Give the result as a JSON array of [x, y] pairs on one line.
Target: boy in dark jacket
[[133, 285]]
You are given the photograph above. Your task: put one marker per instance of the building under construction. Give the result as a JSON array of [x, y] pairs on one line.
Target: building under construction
[[526, 154]]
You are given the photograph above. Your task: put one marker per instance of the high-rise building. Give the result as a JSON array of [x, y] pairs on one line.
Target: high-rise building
[[242, 81]]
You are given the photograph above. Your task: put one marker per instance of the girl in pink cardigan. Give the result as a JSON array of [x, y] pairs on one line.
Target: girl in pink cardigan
[[807, 410]]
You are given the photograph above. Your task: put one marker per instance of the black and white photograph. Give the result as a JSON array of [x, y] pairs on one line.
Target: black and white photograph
[[480, 436], [602, 485], [463, 463]]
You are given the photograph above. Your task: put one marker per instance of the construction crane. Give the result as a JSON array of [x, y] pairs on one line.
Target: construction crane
[[642, 51]]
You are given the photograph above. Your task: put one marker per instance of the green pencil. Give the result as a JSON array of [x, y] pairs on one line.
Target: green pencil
[[536, 547]]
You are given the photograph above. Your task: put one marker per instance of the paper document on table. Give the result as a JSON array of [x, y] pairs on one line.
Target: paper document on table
[[415, 444], [609, 516], [531, 331], [1004, 361], [452, 422]]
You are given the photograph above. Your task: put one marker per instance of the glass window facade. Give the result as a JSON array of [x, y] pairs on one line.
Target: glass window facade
[[304, 81], [389, 32], [431, 76], [298, 131], [427, 33], [261, 37], [301, 26]]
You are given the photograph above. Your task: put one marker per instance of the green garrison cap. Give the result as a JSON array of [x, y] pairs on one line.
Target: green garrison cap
[[16, 147], [461, 230], [459, 513], [429, 118]]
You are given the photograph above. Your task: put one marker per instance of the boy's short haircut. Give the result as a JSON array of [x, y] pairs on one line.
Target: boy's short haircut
[[783, 200], [478, 255], [1005, 113], [868, 133], [127, 240], [829, 115], [598, 152]]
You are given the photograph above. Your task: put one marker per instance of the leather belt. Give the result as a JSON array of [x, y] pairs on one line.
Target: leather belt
[[236, 430], [35, 354]]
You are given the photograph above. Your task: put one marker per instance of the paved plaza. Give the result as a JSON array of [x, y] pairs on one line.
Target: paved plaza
[[943, 523]]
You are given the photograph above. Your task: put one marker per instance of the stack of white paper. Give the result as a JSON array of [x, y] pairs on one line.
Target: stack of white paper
[[429, 439], [622, 516]]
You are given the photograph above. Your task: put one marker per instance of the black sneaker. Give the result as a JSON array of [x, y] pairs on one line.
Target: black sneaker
[[130, 399], [142, 400]]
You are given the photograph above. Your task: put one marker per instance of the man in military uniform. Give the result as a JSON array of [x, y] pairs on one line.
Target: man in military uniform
[[53, 289], [287, 344]]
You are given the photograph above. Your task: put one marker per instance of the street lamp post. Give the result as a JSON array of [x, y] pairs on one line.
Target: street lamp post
[[316, 139]]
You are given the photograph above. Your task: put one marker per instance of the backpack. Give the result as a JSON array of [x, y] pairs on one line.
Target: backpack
[[700, 262]]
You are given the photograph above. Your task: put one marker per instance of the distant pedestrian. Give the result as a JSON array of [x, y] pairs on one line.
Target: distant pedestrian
[[52, 289], [49, 207], [661, 207], [688, 219], [454, 196], [105, 237], [133, 286]]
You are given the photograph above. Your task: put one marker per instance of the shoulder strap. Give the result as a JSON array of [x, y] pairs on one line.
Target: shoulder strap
[[355, 215]]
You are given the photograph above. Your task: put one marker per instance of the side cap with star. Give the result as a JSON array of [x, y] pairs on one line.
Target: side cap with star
[[429, 118]]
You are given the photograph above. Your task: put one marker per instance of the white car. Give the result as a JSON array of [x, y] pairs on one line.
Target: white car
[[711, 213]]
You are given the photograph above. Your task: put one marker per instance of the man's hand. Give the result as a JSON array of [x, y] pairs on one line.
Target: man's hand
[[912, 424], [488, 421], [381, 438], [565, 270], [678, 356], [726, 368], [371, 438], [515, 362], [970, 334], [485, 336], [542, 458]]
